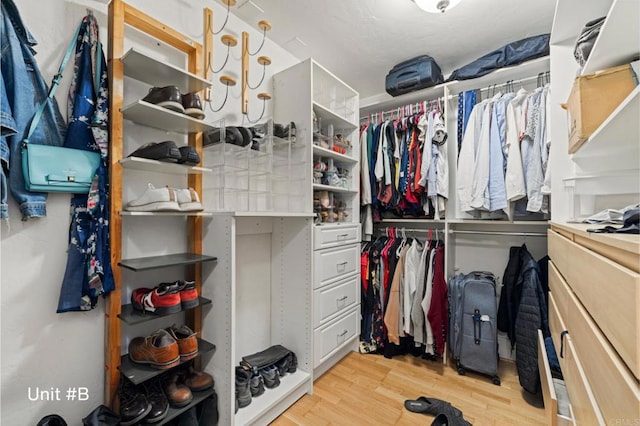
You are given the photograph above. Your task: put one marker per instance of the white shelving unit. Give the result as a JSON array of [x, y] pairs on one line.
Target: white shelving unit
[[262, 296], [155, 116], [604, 172], [335, 292], [147, 165]]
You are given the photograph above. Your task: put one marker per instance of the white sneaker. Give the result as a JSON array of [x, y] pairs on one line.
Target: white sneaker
[[188, 200], [155, 200]]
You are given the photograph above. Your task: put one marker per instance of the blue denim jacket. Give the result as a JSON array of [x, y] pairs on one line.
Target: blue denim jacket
[[23, 89]]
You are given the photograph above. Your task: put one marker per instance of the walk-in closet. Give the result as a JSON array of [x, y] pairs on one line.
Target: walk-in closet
[[261, 212]]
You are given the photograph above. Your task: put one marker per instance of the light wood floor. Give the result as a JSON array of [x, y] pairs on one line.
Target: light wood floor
[[370, 390]]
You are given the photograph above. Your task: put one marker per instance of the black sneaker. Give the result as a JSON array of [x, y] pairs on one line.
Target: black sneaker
[[158, 400], [163, 151], [243, 393], [256, 385], [188, 155], [270, 376], [167, 97], [134, 405]]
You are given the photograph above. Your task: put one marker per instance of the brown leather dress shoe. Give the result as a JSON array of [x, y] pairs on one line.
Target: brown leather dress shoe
[[197, 380], [187, 341], [160, 350], [178, 394]]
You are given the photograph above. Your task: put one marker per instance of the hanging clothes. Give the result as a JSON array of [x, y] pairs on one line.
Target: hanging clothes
[[88, 272]]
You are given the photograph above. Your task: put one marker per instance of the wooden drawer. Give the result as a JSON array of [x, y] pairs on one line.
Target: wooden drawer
[[329, 301], [609, 292], [332, 265], [559, 291], [616, 390], [583, 404], [335, 236], [548, 389], [334, 335]]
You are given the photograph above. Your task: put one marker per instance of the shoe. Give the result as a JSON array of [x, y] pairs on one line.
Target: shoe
[[270, 376], [192, 105], [178, 394], [167, 97], [256, 385], [197, 380], [283, 365], [162, 151], [157, 399], [448, 419], [432, 406], [243, 393], [165, 299], [155, 199], [188, 200], [188, 294], [134, 405], [293, 364], [187, 341], [232, 136], [188, 155], [160, 350]]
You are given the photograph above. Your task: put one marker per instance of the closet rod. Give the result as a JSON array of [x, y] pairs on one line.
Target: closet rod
[[497, 86], [406, 110], [521, 234], [421, 230]]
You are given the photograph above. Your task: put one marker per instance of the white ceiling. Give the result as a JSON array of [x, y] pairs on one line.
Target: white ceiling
[[361, 40]]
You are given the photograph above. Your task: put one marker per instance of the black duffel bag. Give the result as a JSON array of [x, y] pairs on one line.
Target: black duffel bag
[[508, 55], [413, 74]]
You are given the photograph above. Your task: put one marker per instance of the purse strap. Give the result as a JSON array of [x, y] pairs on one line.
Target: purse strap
[[54, 85]]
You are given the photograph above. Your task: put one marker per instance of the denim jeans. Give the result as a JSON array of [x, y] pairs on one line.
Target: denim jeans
[[23, 90]]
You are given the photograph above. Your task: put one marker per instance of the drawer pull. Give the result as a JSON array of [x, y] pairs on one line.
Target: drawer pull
[[343, 333], [341, 266], [342, 299], [564, 333], [342, 237]]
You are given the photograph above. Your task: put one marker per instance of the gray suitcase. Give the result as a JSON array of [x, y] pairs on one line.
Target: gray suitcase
[[473, 337]]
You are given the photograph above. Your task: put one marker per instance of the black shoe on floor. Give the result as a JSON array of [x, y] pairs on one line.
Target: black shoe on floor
[[162, 151], [167, 97]]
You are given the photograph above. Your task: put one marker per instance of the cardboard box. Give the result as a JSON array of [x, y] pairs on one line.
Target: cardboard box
[[593, 98]]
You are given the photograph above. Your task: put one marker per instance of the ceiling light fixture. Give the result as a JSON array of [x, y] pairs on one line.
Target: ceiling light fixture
[[436, 6]]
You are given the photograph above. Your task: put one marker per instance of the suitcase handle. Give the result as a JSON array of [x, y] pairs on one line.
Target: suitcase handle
[[408, 83], [477, 327]]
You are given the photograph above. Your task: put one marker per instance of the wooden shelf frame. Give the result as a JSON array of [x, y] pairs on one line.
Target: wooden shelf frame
[[120, 15]]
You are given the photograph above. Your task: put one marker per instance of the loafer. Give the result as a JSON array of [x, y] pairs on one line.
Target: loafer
[[188, 155], [197, 380], [167, 97], [159, 350], [188, 200], [187, 341], [192, 105], [155, 199], [162, 151], [178, 394]]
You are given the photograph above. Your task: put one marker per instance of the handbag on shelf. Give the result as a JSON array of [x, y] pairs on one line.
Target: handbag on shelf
[[48, 168]]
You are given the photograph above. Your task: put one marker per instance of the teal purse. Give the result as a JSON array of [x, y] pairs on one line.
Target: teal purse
[[49, 168]]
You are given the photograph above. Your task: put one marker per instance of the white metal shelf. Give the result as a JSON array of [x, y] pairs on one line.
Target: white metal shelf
[[614, 145], [151, 115], [325, 152], [330, 117], [155, 72], [128, 213], [148, 165], [498, 222], [262, 214], [623, 182], [320, 187], [271, 397], [617, 42]]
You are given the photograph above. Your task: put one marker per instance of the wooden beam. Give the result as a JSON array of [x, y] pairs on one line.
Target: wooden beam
[[157, 29], [116, 99]]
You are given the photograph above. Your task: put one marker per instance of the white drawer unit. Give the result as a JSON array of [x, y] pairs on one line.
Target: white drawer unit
[[331, 300], [335, 334], [331, 265], [335, 236]]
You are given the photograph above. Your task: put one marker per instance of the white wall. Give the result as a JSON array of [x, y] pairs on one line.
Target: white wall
[[40, 348]]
